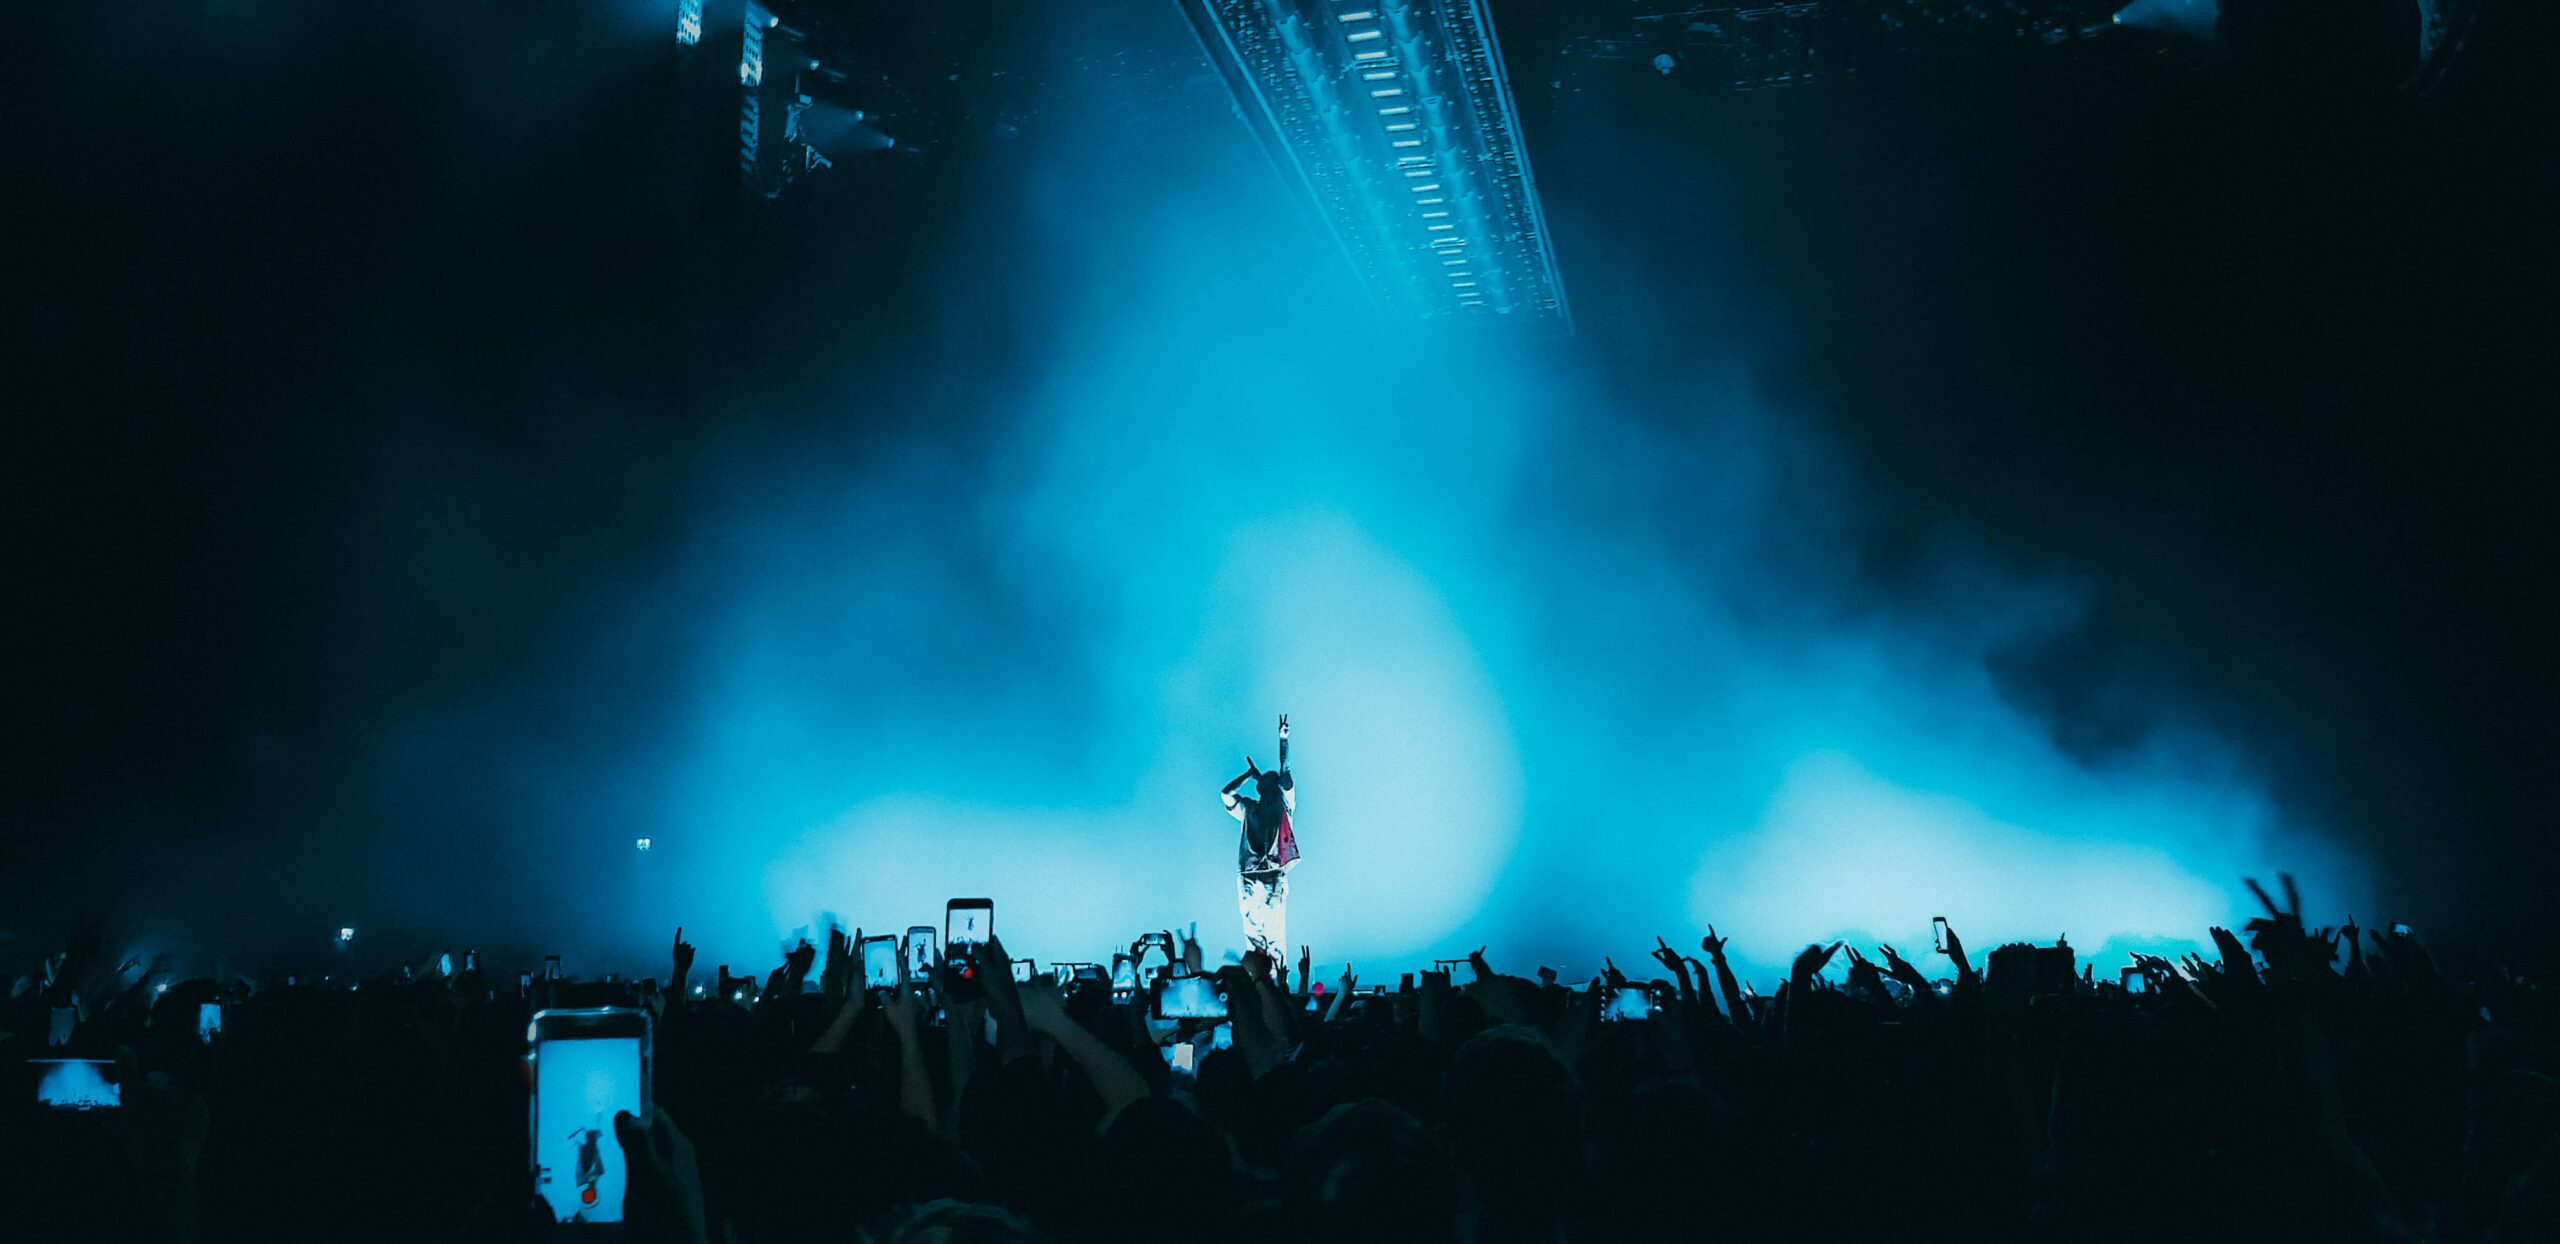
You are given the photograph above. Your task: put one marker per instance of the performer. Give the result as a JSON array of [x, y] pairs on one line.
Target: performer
[[590, 1164], [1267, 850]]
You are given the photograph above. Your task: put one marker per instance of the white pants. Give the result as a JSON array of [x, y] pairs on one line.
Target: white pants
[[1265, 905]]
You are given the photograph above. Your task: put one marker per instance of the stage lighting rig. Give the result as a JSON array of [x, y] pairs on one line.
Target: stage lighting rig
[[1394, 120]]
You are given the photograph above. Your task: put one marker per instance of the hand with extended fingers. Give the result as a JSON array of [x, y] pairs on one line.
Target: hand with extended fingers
[[1815, 958]]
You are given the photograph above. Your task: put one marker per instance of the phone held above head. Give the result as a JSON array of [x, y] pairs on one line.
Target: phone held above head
[[588, 1066]]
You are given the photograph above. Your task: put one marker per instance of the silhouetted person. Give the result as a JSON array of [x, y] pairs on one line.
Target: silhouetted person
[[1267, 849], [590, 1164]]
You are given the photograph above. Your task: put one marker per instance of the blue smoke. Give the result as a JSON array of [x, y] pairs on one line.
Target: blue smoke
[[1567, 667]]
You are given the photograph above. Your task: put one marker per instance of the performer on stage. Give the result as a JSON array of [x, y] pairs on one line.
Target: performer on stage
[[1267, 850]]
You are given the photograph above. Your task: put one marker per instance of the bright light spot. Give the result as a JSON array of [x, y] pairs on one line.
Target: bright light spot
[[641, 843], [347, 934], [1843, 852], [1363, 36]]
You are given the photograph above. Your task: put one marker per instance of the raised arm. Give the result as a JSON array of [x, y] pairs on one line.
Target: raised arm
[[1288, 784], [1729, 988]]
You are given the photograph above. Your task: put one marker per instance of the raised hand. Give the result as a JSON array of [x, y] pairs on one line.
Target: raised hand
[[2236, 964], [1900, 969], [2154, 966], [796, 964], [903, 1011], [1712, 944], [1669, 958], [1863, 976], [2281, 939], [683, 956], [1284, 725], [662, 1200], [1815, 958]]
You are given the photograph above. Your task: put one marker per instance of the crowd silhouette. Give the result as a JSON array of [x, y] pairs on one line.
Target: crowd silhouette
[[2304, 1083]]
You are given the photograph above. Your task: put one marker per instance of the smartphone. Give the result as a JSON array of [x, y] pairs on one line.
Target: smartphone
[[880, 962], [444, 965], [76, 1083], [524, 982], [1404, 983], [1022, 969], [2398, 929], [1063, 975], [588, 1066], [967, 923], [1179, 1056], [1187, 997], [1124, 974], [1447, 965], [1627, 1002], [2135, 981], [919, 952], [551, 967], [1938, 933], [208, 1021]]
